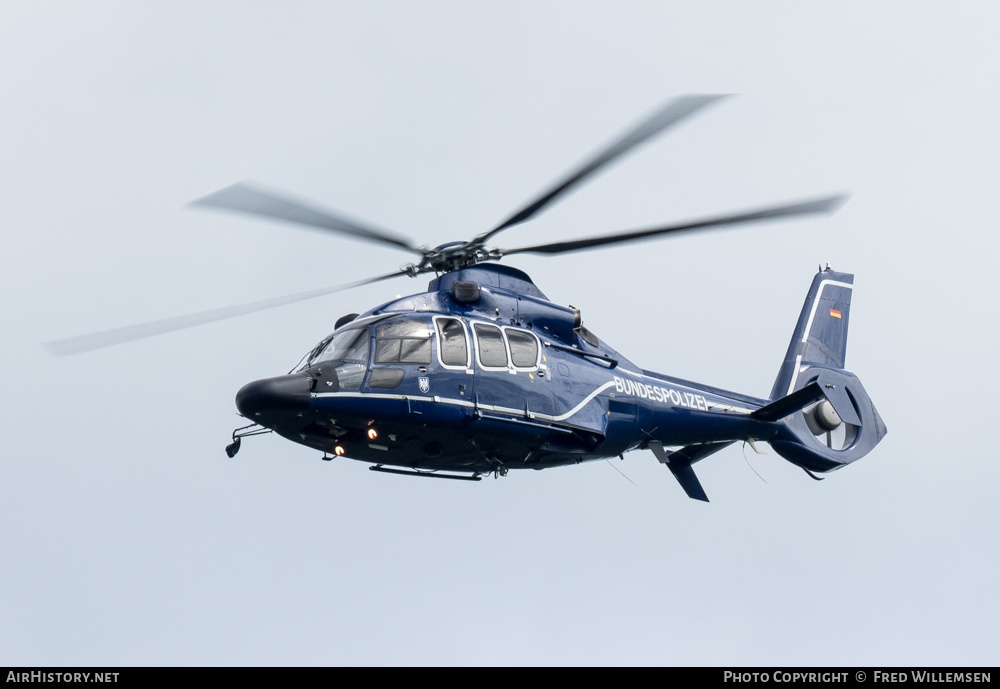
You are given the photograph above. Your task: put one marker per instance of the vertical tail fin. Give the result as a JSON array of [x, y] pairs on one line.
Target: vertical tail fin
[[824, 418], [820, 335]]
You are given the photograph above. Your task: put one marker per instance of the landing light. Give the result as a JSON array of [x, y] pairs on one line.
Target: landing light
[[339, 451], [372, 434]]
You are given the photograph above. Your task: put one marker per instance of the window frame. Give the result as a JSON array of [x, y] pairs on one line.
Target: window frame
[[468, 344], [506, 342], [400, 339], [510, 352], [503, 338]]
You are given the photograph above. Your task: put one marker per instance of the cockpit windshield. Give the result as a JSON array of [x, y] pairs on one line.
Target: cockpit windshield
[[349, 343], [346, 345]]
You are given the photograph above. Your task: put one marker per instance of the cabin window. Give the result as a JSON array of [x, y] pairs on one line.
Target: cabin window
[[492, 350], [523, 348], [386, 378], [403, 342], [453, 346], [351, 375]]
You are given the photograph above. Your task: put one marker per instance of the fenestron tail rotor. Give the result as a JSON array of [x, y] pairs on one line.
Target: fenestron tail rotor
[[827, 426]]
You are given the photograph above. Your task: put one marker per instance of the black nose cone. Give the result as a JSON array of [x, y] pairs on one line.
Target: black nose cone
[[273, 395]]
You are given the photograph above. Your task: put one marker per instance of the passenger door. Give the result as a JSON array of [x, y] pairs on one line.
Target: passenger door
[[509, 377]]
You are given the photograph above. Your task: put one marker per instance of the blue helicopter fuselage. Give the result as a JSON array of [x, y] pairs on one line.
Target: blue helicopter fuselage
[[491, 378]]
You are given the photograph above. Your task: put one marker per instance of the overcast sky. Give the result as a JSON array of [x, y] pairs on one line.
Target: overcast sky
[[127, 537]]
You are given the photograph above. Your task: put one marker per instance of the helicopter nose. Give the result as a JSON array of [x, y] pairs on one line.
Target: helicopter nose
[[280, 394]]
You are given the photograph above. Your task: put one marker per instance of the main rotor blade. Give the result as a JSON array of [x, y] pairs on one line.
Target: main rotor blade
[[115, 336], [669, 115], [245, 198], [825, 205]]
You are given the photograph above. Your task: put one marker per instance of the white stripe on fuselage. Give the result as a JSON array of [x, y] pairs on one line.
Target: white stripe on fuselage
[[704, 404], [574, 410]]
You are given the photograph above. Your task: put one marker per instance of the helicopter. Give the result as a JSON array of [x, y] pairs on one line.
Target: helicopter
[[481, 373]]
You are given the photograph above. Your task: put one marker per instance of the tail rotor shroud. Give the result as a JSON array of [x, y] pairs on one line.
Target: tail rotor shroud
[[835, 421]]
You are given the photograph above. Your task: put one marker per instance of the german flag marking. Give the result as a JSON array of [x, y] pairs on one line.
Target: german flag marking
[[835, 313]]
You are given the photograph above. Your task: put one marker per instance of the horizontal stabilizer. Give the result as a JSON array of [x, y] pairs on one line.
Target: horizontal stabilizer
[[781, 408], [679, 462], [823, 386]]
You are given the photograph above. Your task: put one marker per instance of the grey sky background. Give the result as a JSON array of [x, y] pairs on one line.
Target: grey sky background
[[127, 536]]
